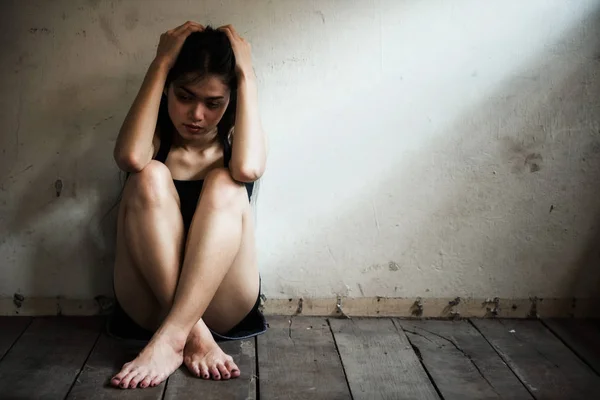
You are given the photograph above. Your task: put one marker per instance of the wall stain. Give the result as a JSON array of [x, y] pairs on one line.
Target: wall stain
[[533, 161], [108, 31], [374, 267], [94, 3], [18, 299], [131, 19], [392, 266], [523, 157], [320, 13], [45, 31]]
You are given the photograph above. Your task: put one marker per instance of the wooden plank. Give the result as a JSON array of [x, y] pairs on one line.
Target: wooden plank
[[45, 361], [10, 330], [106, 359], [581, 335], [183, 385], [540, 360], [299, 361], [461, 362], [379, 361]]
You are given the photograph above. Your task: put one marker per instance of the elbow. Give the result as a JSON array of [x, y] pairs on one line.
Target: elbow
[[246, 173], [129, 163]]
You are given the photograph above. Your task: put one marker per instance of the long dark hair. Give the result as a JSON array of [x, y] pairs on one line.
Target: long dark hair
[[203, 53]]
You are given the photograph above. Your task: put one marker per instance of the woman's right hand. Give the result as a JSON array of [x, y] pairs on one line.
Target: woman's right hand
[[171, 42]]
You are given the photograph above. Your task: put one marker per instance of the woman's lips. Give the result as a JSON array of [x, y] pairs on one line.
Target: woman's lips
[[192, 128]]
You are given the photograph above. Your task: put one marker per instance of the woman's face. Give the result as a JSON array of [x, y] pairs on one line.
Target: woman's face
[[196, 108]]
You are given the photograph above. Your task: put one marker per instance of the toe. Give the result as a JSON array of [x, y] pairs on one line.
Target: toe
[[146, 382], [135, 380], [215, 373], [116, 380], [127, 379], [224, 372], [157, 380], [204, 374], [193, 367], [233, 369]]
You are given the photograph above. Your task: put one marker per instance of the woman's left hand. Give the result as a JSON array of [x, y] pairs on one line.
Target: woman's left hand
[[241, 50]]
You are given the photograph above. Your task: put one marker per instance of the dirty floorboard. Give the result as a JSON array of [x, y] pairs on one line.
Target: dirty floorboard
[[321, 358]]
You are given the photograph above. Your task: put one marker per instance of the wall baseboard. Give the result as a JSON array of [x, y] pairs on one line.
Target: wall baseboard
[[342, 306]]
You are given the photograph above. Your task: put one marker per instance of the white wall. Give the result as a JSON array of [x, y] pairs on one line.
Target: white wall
[[418, 148]]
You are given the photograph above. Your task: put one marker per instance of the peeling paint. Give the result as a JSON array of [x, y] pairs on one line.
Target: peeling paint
[[492, 306], [299, 308], [417, 307]]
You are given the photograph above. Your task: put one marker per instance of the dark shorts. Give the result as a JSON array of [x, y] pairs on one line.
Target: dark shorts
[[120, 326]]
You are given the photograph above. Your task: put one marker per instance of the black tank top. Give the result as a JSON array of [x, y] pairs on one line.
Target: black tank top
[[189, 191]]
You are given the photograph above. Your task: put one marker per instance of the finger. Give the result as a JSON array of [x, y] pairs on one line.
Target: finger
[[185, 26], [234, 32], [224, 28], [197, 24], [187, 31], [227, 31], [179, 28]]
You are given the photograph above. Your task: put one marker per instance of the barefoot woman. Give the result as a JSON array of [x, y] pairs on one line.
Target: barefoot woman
[[186, 270]]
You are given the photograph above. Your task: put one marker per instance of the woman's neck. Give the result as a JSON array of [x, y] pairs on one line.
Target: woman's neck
[[197, 145]]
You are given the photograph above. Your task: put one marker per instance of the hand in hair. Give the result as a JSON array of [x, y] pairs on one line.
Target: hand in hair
[[241, 50], [171, 42]]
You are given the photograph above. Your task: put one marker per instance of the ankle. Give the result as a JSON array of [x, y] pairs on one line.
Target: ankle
[[201, 336], [175, 336]]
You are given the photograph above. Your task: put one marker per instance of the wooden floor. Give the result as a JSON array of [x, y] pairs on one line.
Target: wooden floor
[[319, 358]]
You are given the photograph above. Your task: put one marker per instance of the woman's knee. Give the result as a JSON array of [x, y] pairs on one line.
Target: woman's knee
[[153, 185], [221, 191]]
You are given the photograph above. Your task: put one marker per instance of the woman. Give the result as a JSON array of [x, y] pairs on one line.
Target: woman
[[185, 269]]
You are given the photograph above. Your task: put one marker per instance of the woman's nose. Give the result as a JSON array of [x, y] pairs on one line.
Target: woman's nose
[[198, 112]]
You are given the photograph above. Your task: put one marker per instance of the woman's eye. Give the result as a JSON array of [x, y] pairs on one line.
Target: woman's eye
[[213, 105], [184, 97]]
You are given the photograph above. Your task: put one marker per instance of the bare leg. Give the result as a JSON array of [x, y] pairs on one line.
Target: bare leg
[[151, 242]]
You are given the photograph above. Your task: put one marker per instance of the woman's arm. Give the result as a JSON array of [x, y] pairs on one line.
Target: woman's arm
[[250, 143], [135, 144], [134, 147]]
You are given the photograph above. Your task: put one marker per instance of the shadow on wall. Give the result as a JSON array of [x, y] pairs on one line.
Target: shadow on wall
[[537, 135], [65, 210]]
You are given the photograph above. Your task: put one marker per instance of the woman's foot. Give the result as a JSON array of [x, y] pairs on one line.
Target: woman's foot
[[155, 363], [205, 359]]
